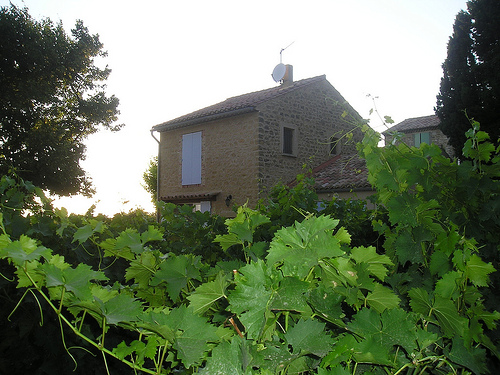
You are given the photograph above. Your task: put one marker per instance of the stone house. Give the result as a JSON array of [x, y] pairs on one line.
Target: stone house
[[419, 130], [234, 151], [343, 176]]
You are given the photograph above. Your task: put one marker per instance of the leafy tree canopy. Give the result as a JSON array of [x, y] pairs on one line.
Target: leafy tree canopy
[[53, 97], [470, 86], [150, 177]]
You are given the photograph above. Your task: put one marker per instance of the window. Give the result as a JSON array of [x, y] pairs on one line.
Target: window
[[191, 159], [334, 146], [288, 141], [203, 206], [422, 138]]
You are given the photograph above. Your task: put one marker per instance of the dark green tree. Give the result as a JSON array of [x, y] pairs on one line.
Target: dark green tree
[[150, 177], [52, 97], [470, 87]]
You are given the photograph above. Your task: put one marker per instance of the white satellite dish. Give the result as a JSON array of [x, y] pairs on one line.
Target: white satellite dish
[[279, 72]]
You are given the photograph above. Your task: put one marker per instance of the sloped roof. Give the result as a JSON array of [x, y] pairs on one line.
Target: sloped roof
[[415, 124], [343, 172], [236, 105]]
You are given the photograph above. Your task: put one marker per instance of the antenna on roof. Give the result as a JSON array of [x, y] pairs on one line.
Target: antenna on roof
[[281, 52], [280, 69]]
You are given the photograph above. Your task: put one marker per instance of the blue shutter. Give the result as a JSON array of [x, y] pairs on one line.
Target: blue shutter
[[191, 158], [422, 138]]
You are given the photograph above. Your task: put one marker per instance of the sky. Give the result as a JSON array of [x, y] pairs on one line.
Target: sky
[[169, 58]]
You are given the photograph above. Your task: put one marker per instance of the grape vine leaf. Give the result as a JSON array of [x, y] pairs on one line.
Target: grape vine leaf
[[448, 317], [301, 247], [477, 270], [176, 271], [76, 280], [376, 263], [448, 285], [442, 309], [472, 358], [327, 304], [309, 337], [120, 309], [152, 234], [25, 250], [82, 234], [142, 269], [208, 293], [196, 333], [382, 298], [228, 358], [131, 239], [249, 300], [390, 328], [291, 296]]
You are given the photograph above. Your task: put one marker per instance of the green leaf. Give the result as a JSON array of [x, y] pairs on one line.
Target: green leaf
[[472, 358], [75, 280], [208, 293], [228, 240], [477, 270], [327, 304], [176, 271], [392, 327], [120, 309], [420, 301], [227, 358], [301, 247], [290, 296], [382, 298], [25, 250], [82, 234], [309, 337], [407, 249], [131, 239], [376, 263], [250, 298], [448, 285], [142, 269], [448, 317], [195, 333], [152, 234]]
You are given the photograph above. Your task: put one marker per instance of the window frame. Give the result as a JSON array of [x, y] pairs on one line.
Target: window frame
[[417, 138], [191, 154], [285, 143]]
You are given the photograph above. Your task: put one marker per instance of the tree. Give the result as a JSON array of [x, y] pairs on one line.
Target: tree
[[53, 97], [150, 177], [470, 87]]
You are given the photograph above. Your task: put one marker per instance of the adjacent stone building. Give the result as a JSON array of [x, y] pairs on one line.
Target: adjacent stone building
[[233, 152], [419, 130]]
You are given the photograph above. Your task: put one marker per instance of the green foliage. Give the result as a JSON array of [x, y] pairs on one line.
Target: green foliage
[[187, 296], [150, 177], [53, 97]]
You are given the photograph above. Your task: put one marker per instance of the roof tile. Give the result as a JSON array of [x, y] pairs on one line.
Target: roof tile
[[343, 172], [415, 124], [242, 103]]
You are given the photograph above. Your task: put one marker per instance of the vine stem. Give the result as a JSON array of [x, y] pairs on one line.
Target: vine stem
[[81, 335]]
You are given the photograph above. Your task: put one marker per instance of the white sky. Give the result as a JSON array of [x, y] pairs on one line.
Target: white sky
[[169, 58]]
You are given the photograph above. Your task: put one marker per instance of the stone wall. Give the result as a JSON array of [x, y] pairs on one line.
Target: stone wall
[[229, 161], [436, 137], [315, 112]]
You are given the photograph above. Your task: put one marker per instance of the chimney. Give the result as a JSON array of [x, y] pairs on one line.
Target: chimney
[[288, 77]]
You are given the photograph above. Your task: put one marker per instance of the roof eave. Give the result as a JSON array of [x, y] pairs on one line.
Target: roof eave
[[215, 116]]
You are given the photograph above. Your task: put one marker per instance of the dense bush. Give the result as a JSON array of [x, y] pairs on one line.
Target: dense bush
[[261, 293]]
